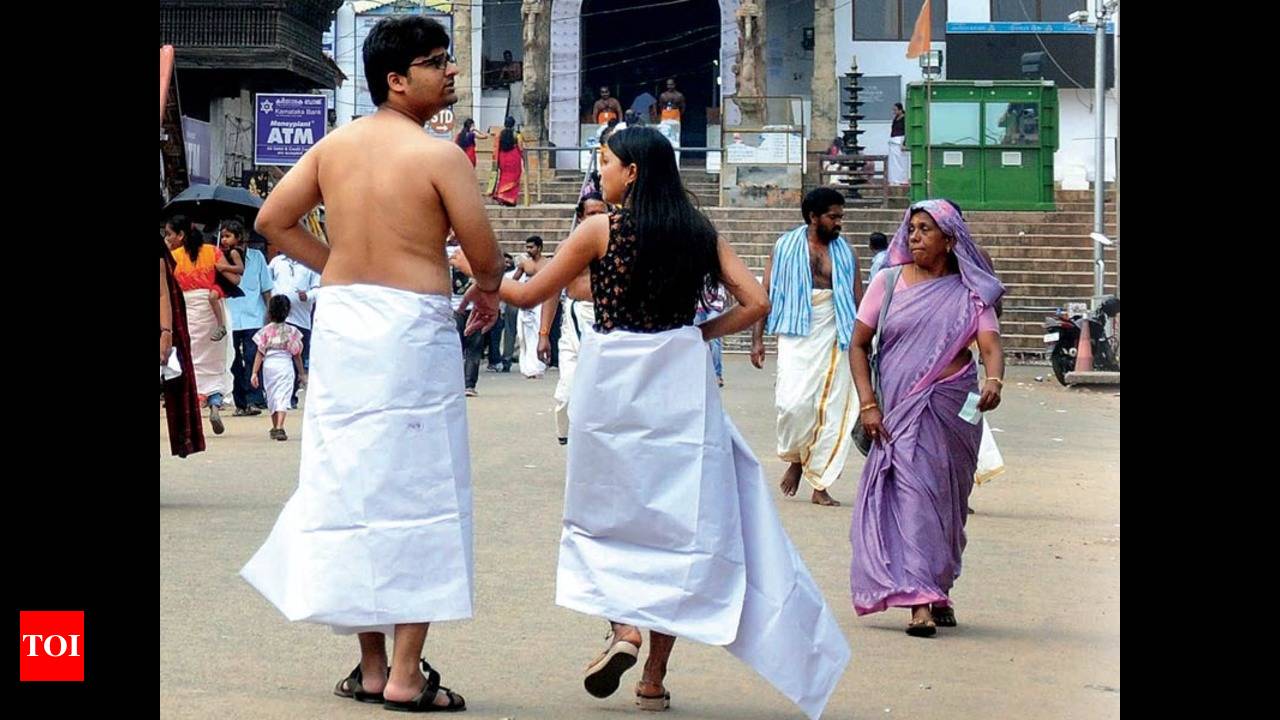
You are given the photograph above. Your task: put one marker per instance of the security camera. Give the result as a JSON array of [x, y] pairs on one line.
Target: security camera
[[1101, 239], [1080, 16]]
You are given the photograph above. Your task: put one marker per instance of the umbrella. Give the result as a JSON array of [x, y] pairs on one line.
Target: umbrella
[[210, 204]]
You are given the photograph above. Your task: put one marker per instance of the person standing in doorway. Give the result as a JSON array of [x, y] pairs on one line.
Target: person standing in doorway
[[606, 108], [671, 102]]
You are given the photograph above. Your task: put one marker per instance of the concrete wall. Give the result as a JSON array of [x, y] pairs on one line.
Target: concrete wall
[[1076, 133], [789, 66], [888, 57], [231, 137]]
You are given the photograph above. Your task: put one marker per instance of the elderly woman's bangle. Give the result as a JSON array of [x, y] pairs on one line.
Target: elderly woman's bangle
[[867, 407], [996, 379]]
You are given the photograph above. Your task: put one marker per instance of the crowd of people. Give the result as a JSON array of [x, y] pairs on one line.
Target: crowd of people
[[219, 309], [667, 525]]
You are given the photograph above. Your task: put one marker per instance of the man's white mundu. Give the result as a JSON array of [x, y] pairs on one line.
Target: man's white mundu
[[579, 316], [379, 529], [667, 522], [815, 397], [530, 325]]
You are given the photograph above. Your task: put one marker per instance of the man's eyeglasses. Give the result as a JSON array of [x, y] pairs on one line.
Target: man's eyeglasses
[[439, 62]]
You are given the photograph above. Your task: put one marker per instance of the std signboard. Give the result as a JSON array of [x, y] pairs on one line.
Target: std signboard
[[286, 126]]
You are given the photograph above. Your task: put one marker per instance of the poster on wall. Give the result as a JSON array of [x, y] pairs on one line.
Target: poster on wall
[[287, 125], [197, 142]]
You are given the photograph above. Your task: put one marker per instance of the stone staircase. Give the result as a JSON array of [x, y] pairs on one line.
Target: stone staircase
[[1045, 259]]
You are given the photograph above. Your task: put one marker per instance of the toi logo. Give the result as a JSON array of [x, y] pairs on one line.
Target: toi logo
[[51, 645]]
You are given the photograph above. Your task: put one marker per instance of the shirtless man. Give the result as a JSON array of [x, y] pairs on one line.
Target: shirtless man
[[606, 108], [814, 286], [385, 429], [531, 366], [671, 102]]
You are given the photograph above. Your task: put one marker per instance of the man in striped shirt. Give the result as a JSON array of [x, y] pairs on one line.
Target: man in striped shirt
[[814, 287]]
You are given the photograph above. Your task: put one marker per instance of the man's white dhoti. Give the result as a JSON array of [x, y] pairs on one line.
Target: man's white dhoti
[[990, 462], [379, 529], [898, 168], [668, 524], [815, 397], [530, 325], [577, 320]]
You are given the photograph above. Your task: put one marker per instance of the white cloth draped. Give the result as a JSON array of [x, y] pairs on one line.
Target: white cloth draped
[[815, 397], [577, 320], [898, 168], [530, 325], [379, 531], [277, 380], [668, 523], [990, 461], [213, 368]]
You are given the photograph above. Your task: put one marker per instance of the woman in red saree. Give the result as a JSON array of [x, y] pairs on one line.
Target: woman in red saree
[[509, 164]]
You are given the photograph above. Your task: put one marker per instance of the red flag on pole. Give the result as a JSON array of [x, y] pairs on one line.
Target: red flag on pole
[[920, 36]]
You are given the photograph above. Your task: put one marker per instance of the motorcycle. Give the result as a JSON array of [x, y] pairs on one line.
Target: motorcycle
[[1062, 332]]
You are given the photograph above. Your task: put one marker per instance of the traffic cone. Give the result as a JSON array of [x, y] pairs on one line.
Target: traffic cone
[[1084, 350]]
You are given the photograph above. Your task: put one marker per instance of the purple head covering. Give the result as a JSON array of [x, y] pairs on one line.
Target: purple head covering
[[975, 272]]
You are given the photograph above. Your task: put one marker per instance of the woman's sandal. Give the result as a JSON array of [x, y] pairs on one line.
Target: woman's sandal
[[425, 701], [352, 686], [944, 616], [651, 703], [926, 628], [604, 673]]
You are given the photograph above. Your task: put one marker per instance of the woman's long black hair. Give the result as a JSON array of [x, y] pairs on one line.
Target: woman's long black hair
[[466, 127], [191, 238], [507, 139], [677, 260]]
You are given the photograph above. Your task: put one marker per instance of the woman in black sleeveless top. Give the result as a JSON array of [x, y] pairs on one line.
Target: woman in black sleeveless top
[[652, 260]]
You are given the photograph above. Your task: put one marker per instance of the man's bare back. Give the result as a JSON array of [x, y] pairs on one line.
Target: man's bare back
[[387, 221], [391, 195]]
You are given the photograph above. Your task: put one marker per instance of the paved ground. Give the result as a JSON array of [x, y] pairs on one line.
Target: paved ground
[[1039, 603]]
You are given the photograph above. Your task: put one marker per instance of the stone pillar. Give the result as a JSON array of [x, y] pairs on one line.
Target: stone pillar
[[750, 67], [465, 107], [824, 88], [536, 18]]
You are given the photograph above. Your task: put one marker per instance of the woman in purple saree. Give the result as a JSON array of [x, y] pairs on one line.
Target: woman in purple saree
[[908, 519]]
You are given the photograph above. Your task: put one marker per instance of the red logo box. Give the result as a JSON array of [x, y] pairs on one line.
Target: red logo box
[[51, 645]]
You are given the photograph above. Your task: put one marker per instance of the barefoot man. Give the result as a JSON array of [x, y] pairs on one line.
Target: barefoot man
[[377, 538], [814, 284]]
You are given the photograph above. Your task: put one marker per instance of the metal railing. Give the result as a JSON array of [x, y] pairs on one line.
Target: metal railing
[[837, 171], [536, 169]]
